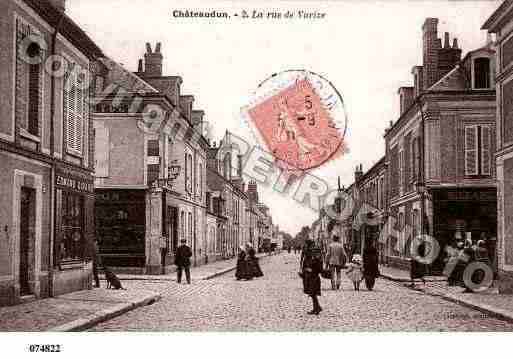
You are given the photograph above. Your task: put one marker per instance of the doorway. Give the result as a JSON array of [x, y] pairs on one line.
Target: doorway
[[27, 238]]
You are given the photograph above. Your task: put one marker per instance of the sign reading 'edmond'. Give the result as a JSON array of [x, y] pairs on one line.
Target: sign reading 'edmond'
[[73, 180]]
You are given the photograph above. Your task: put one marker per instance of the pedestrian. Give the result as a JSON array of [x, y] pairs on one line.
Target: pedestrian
[[417, 268], [183, 261], [354, 271], [242, 269], [252, 260], [370, 264], [336, 259], [96, 263], [311, 267], [288, 249]]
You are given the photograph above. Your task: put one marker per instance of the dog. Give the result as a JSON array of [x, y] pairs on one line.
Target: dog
[[113, 281]]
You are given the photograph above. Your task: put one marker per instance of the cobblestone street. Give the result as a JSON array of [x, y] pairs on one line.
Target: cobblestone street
[[276, 302]]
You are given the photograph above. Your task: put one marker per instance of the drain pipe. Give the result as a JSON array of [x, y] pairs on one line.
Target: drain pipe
[[53, 192]]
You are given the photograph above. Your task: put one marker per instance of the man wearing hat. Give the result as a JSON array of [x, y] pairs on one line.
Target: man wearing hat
[[183, 261]]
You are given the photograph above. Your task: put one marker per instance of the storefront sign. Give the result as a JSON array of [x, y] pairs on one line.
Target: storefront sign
[[466, 195], [73, 180]]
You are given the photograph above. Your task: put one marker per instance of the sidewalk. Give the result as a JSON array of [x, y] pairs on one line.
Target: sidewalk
[[203, 272], [489, 302], [74, 311], [81, 310]]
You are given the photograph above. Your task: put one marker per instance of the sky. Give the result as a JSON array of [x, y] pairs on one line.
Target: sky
[[366, 49]]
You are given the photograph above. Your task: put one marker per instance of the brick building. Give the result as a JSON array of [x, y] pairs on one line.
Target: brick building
[[145, 128], [46, 151], [500, 23], [441, 178]]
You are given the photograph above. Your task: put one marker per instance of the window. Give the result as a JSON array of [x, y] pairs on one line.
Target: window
[[482, 73], [75, 107], [188, 172], [28, 77], [477, 150], [153, 148], [200, 181], [189, 219], [401, 171], [72, 246], [182, 225], [33, 99]]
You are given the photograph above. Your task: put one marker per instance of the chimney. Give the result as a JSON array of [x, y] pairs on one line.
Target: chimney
[[140, 66], [153, 61], [239, 166], [417, 80], [455, 43], [358, 173], [405, 98], [186, 102], [59, 5], [197, 120], [430, 46], [448, 57], [446, 40]]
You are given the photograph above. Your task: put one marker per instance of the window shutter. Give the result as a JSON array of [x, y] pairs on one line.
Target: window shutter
[[70, 95], [471, 158], [485, 150], [75, 107], [186, 172]]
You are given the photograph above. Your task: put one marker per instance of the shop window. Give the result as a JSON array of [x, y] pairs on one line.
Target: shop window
[[72, 245], [482, 73], [477, 150]]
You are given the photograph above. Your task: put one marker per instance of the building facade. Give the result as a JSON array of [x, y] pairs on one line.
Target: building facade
[[439, 152], [500, 23], [46, 151], [144, 206]]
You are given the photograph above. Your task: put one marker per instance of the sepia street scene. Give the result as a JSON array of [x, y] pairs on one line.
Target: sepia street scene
[[246, 167]]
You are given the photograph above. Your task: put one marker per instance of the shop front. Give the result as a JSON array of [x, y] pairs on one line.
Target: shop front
[[120, 225], [464, 215], [74, 229]]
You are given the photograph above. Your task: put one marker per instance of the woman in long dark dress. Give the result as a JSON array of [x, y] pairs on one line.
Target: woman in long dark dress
[[370, 265], [253, 265], [242, 270], [417, 268], [311, 267]]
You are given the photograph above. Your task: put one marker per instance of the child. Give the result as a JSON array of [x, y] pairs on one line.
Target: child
[[354, 271]]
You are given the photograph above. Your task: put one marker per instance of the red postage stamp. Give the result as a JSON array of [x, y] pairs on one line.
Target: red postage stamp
[[298, 127]]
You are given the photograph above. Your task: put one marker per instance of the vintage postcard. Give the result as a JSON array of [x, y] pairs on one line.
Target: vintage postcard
[[254, 167]]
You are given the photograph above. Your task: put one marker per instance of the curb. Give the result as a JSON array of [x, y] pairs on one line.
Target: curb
[[219, 273], [104, 315], [483, 308]]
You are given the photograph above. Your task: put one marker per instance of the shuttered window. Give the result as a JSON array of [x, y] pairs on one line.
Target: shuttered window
[[75, 107], [486, 144], [471, 156], [478, 147]]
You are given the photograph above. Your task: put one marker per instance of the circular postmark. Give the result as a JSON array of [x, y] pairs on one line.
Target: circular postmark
[[299, 117]]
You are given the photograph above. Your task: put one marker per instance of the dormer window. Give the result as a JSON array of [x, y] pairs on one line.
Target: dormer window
[[482, 73]]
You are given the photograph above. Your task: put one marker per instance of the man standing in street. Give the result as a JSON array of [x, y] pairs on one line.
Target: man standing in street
[[336, 258], [183, 261]]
